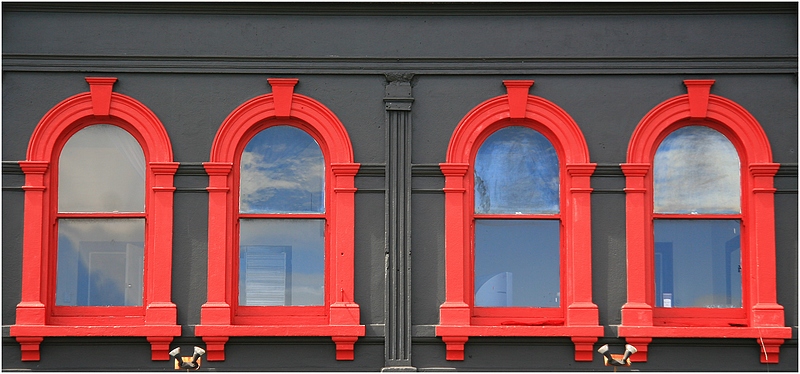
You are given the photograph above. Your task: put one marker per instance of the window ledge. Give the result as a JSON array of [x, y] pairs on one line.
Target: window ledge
[[215, 336], [159, 336], [455, 336], [769, 338]]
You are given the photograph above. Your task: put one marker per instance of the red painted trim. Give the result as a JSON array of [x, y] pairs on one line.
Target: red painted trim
[[284, 216], [695, 216], [37, 315], [517, 216], [578, 315], [101, 89], [761, 316], [221, 317]]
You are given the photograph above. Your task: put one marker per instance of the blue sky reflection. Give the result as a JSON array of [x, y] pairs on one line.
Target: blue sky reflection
[[282, 171], [517, 263], [516, 171], [100, 262], [304, 243]]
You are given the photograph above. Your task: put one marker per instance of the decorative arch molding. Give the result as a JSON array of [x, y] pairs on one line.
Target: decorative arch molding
[[517, 105], [577, 317], [282, 103], [763, 317], [340, 316], [722, 114], [156, 318], [72, 114]]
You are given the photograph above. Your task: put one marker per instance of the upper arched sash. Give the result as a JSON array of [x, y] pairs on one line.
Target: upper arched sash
[[492, 114], [722, 114], [94, 107], [282, 103]]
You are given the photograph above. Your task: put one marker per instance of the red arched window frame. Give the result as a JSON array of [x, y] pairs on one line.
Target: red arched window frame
[[339, 316], [577, 316], [37, 316], [760, 317]]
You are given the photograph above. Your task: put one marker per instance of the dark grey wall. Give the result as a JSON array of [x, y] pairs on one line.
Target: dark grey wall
[[606, 65]]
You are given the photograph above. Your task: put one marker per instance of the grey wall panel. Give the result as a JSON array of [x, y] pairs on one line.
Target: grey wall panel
[[370, 259], [786, 255], [422, 36], [12, 251], [609, 276], [427, 258], [190, 255], [26, 99], [772, 100], [440, 104]]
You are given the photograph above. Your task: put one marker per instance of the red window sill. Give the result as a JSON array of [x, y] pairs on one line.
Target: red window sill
[[159, 336], [456, 336], [769, 338]]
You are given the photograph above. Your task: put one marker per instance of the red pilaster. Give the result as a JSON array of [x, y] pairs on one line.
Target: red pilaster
[[217, 309], [31, 310]]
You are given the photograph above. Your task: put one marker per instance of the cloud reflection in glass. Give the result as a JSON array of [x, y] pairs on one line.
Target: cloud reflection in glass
[[101, 169], [516, 171], [696, 171], [282, 171], [101, 260]]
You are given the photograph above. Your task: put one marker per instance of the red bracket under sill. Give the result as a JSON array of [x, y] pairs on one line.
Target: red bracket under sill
[[583, 337], [215, 336], [30, 336], [768, 339]]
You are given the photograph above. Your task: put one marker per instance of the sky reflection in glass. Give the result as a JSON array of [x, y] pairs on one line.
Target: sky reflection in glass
[[696, 170], [698, 263], [100, 262], [517, 263], [282, 262], [101, 169], [282, 171], [516, 171]]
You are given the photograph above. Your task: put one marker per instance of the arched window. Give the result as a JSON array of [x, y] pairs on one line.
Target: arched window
[[97, 254], [281, 219], [700, 226], [281, 214], [697, 220], [100, 219], [517, 226]]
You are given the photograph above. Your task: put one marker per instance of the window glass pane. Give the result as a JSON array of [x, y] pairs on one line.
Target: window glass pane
[[698, 263], [516, 171], [282, 171], [282, 262], [101, 169], [100, 262], [696, 170], [517, 263]]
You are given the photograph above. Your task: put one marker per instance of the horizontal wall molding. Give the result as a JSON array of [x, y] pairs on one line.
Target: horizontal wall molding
[[525, 65], [786, 170], [393, 9]]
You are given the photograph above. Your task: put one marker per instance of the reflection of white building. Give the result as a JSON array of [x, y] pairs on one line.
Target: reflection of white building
[[265, 275], [496, 291]]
